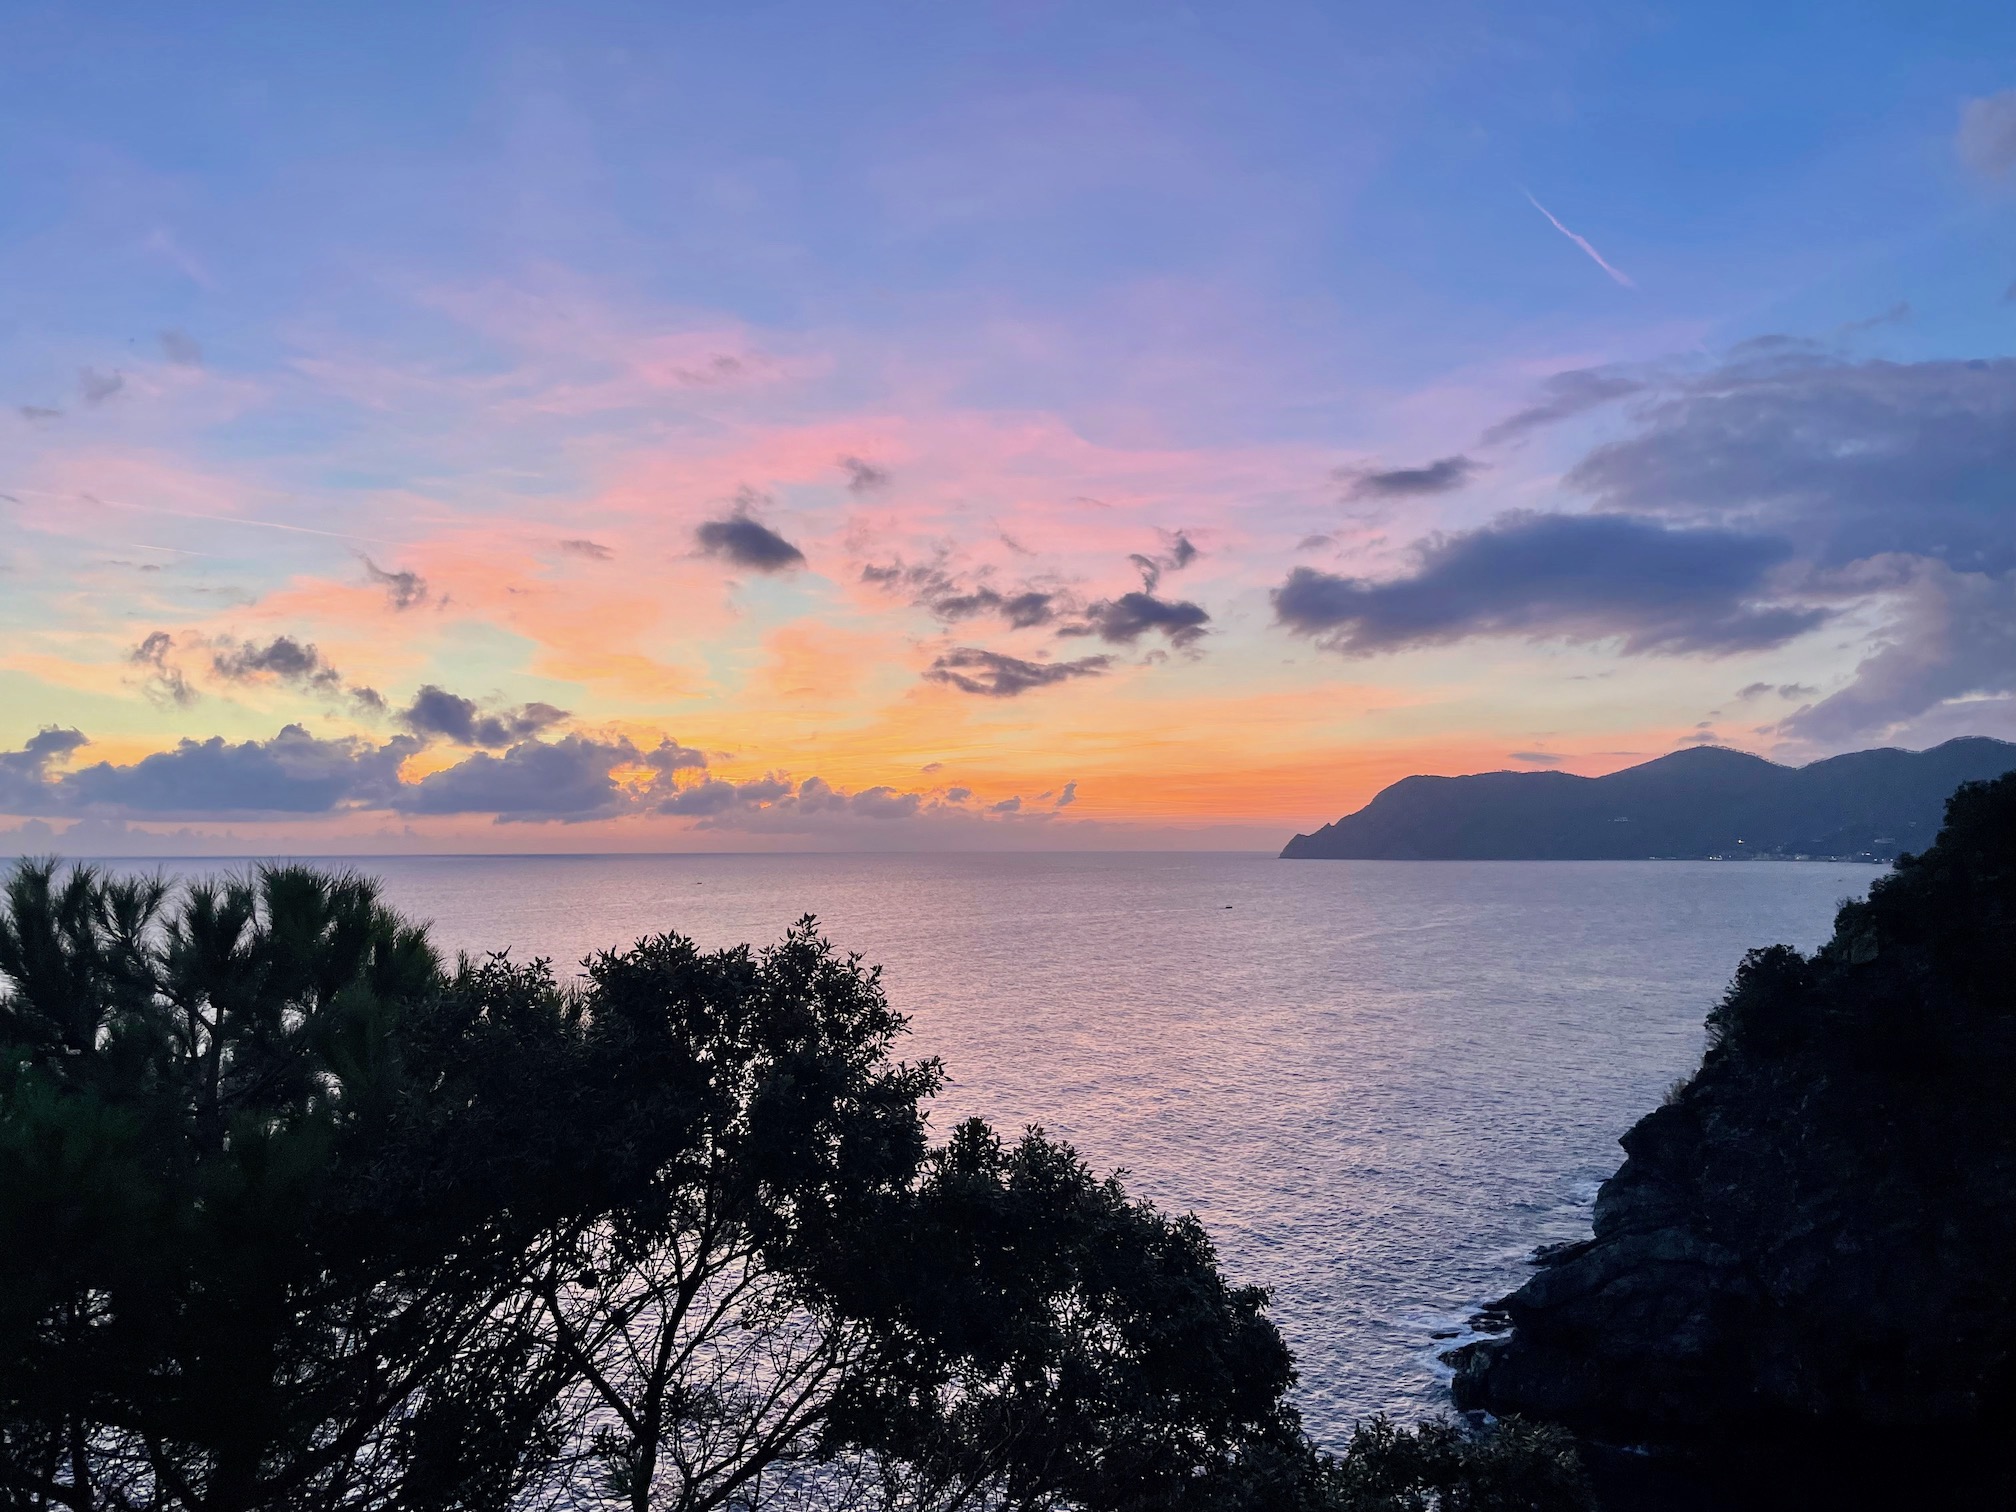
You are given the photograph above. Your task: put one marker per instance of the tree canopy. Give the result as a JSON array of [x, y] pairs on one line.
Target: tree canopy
[[296, 1215]]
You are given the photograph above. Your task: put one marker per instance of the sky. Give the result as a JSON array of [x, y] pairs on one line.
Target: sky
[[710, 427]]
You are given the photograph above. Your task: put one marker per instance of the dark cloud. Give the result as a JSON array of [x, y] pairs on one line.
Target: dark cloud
[[593, 550], [1576, 577], [992, 675], [94, 387], [778, 803], [1563, 397], [50, 743], [166, 683], [817, 797], [1123, 621], [1849, 459], [403, 590], [297, 774], [1315, 542], [152, 651], [935, 589], [1069, 796], [1537, 758], [1895, 483], [668, 757], [742, 540], [1987, 136], [569, 780], [25, 774], [714, 796], [1445, 475], [436, 711], [702, 798], [864, 477], [293, 773], [1894, 480], [34, 412], [1179, 553], [180, 348], [1021, 611], [283, 659], [881, 802]]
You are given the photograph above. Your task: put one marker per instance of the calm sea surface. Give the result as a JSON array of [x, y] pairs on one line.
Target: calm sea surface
[[1380, 1084]]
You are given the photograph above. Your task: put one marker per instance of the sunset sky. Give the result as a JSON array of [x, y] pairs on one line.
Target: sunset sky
[[791, 426]]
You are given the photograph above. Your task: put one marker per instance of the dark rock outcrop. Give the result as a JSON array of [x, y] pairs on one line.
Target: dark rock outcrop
[[1706, 801], [1816, 1236]]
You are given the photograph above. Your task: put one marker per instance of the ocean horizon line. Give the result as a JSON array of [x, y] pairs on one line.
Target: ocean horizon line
[[1140, 850]]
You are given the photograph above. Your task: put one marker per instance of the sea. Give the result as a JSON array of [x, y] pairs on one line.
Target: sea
[[1381, 1085]]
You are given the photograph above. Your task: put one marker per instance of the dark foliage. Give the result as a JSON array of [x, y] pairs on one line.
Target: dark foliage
[[1056, 1341], [293, 1217], [1435, 1467], [238, 1270], [1815, 1239]]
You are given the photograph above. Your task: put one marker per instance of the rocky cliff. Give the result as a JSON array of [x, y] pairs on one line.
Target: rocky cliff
[[1816, 1235]]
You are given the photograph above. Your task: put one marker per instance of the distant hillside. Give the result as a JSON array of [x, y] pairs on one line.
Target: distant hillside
[[1702, 802]]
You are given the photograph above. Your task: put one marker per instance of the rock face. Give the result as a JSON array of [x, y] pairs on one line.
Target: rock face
[[1817, 1234], [1701, 802]]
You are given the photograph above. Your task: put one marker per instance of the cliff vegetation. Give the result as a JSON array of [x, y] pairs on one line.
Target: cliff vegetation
[[1813, 1241]]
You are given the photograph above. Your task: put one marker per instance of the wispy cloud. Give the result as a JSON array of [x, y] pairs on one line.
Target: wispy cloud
[[191, 514], [403, 588], [1582, 242], [1987, 139]]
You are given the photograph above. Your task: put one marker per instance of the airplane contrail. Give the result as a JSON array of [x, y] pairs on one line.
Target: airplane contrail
[[1580, 241], [187, 514]]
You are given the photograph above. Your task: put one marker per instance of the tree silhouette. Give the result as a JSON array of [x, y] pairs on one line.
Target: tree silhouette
[[295, 1217]]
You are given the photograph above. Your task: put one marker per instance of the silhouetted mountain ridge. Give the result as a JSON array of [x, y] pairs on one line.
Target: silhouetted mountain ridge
[[1701, 802]]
